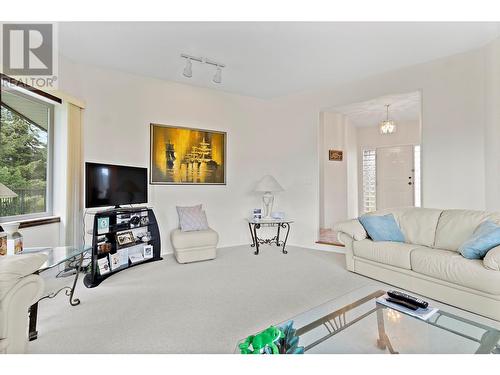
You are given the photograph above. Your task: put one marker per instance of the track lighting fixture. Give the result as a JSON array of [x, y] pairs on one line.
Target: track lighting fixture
[[188, 69]]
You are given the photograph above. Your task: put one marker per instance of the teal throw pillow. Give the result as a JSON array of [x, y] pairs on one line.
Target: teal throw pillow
[[485, 237], [382, 228]]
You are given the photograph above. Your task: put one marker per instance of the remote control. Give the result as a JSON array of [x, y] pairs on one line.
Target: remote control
[[407, 298], [400, 302]]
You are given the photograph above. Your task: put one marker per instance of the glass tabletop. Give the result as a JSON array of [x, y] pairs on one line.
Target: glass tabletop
[[56, 255], [268, 221], [356, 323]]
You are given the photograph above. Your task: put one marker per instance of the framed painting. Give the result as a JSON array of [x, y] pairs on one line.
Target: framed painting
[[187, 156], [335, 155]]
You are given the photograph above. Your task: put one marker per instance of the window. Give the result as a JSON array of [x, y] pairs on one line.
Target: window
[[369, 181], [25, 157]]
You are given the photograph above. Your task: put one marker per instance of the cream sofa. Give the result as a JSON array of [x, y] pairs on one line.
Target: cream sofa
[[429, 262], [19, 289]]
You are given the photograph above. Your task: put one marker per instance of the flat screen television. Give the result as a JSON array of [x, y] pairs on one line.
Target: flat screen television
[[114, 185]]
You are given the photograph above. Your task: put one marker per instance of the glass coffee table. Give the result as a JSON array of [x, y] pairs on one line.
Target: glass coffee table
[[356, 323]]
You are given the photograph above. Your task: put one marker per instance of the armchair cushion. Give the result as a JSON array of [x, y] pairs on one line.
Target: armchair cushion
[[15, 267], [351, 227]]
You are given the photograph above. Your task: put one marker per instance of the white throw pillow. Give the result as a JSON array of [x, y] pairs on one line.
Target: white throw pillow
[[492, 259], [192, 218]]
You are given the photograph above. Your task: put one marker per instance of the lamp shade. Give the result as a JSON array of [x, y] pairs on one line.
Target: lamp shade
[[5, 192], [268, 183]]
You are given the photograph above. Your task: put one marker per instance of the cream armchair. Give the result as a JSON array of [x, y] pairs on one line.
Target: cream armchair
[[19, 289]]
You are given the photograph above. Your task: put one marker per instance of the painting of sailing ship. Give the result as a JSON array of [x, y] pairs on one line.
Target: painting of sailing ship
[[187, 156]]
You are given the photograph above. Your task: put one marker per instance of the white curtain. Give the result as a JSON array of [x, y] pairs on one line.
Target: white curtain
[[73, 228]]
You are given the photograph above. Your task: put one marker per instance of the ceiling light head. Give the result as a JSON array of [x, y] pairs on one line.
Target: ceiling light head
[[188, 69], [387, 126], [218, 75]]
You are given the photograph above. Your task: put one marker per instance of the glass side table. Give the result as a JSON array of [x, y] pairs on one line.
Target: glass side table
[[254, 224], [55, 257]]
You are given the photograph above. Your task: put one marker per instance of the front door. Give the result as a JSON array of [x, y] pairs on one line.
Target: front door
[[395, 177]]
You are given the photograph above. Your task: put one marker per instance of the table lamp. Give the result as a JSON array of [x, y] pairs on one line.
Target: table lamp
[[268, 185]]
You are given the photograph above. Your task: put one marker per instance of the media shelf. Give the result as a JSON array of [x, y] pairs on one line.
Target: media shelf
[[120, 226]]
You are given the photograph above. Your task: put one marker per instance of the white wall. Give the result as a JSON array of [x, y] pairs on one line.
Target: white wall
[[333, 174], [492, 130], [41, 236], [120, 108], [453, 122], [280, 137]]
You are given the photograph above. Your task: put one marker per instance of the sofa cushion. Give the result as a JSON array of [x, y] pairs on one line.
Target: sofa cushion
[[492, 259], [15, 267], [382, 228], [485, 237], [417, 224], [457, 226], [450, 266], [188, 240], [396, 254]]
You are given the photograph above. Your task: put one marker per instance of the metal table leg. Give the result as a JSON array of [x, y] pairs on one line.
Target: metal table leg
[[76, 301], [251, 233], [33, 312], [287, 225], [255, 226], [69, 291], [383, 341]]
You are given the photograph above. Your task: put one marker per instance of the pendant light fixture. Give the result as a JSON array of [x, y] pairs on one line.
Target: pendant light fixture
[[387, 126]]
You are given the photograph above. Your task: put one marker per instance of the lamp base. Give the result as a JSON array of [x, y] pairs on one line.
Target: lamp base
[[268, 200]]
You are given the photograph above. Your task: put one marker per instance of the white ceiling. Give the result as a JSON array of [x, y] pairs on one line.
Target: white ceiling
[[403, 108], [268, 59]]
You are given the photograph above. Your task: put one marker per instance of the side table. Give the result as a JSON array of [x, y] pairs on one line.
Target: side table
[[56, 256], [254, 224]]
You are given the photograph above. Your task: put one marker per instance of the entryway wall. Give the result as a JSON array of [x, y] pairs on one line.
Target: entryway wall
[[338, 179]]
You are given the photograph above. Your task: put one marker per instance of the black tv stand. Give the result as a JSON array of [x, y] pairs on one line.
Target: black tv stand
[[116, 225]]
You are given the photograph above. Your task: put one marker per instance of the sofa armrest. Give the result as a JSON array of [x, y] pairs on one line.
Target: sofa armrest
[[352, 228], [492, 259]]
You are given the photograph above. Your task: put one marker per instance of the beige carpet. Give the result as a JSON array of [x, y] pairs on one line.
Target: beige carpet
[[206, 307]]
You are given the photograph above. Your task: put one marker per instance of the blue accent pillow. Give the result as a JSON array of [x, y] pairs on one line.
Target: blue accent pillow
[[382, 228], [485, 237]]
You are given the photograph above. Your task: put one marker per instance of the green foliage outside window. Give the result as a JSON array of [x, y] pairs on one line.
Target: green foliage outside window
[[23, 164]]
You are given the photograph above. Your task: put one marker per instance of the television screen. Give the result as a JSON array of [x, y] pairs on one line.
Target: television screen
[[114, 185]]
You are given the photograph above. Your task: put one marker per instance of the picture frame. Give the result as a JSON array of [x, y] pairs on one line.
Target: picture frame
[[187, 156], [147, 251], [125, 238], [335, 155]]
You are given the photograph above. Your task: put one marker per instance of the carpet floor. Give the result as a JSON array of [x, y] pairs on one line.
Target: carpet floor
[[205, 307]]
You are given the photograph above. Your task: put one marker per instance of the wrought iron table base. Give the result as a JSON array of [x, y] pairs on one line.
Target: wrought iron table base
[[256, 241], [69, 291]]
